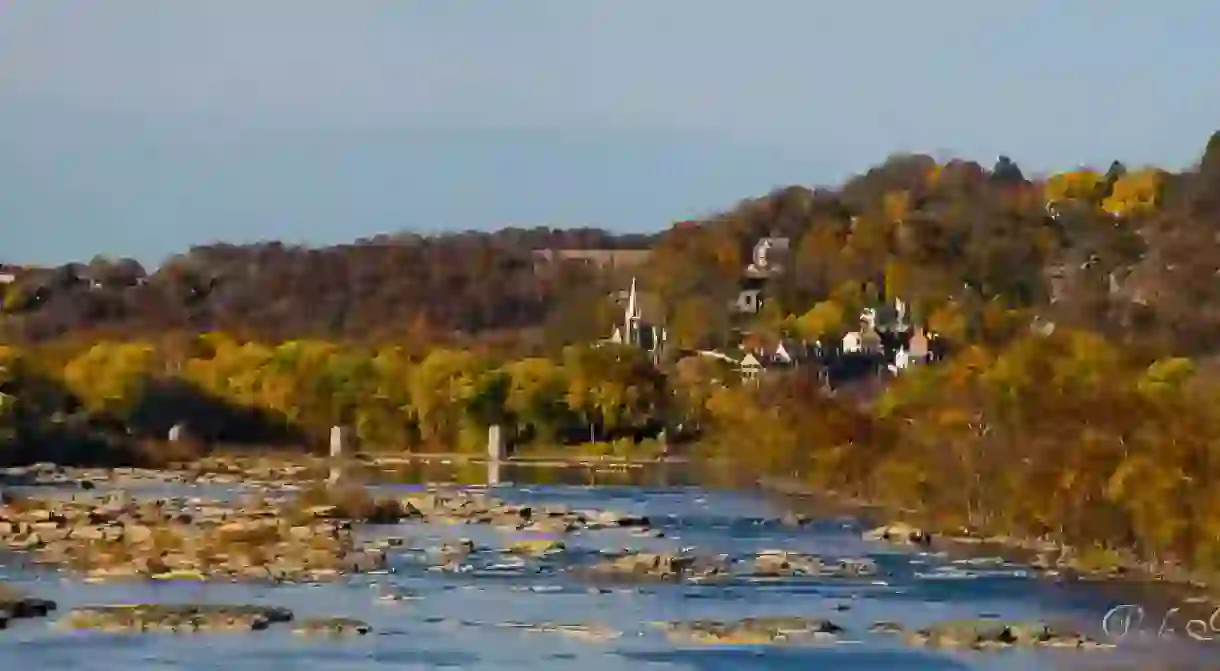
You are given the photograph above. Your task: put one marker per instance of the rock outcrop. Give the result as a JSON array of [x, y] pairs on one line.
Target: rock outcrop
[[174, 618], [754, 631]]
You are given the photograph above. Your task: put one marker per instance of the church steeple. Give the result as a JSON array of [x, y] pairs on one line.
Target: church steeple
[[632, 317]]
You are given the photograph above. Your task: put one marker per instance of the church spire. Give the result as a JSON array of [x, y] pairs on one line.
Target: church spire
[[633, 307]]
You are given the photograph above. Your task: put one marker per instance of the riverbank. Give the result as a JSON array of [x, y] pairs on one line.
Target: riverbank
[[1153, 588], [555, 575], [1158, 591], [309, 534]]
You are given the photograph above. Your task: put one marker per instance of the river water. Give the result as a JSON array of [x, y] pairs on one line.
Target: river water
[[458, 621]]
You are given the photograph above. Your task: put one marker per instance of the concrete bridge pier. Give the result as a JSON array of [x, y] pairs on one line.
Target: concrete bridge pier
[[495, 453], [338, 448]]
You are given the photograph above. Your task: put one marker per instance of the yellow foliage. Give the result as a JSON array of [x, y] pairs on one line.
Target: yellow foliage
[[1080, 185], [1166, 376], [1135, 193], [827, 318], [950, 321], [109, 376], [536, 390], [8, 355], [896, 205], [897, 278], [850, 295], [440, 386], [13, 297]]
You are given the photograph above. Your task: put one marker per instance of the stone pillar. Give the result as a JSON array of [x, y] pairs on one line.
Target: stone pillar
[[495, 443], [175, 433], [495, 453], [338, 445]]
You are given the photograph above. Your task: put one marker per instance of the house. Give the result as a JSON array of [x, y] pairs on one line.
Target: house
[[887, 340], [866, 340], [918, 345], [751, 368], [768, 257], [768, 261], [781, 355], [8, 274], [749, 301], [852, 343], [756, 363]]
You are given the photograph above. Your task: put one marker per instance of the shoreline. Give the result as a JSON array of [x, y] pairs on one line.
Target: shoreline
[[1193, 595], [1048, 560]]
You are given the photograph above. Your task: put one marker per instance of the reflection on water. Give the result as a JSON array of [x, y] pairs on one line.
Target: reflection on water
[[455, 623]]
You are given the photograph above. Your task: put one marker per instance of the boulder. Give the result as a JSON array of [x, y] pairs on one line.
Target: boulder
[[755, 631], [993, 634], [176, 618], [536, 547], [899, 532], [15, 604], [334, 626]]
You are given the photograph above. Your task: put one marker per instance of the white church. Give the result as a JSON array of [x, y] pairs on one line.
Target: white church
[[637, 332]]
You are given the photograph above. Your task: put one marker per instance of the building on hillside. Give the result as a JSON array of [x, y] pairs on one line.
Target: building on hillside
[[751, 368], [9, 273], [886, 341], [602, 258], [636, 331], [748, 301], [768, 261], [781, 355], [852, 343], [769, 257]]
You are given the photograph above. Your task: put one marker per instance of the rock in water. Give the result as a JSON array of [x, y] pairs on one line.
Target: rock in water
[[333, 626], [899, 532]]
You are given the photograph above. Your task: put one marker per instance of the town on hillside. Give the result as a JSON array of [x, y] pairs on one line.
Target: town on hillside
[[886, 341]]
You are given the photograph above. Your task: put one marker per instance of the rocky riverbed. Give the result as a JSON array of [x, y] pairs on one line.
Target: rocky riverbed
[[598, 576]]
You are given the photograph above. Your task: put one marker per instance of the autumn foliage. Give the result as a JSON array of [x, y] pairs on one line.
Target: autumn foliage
[[1079, 403]]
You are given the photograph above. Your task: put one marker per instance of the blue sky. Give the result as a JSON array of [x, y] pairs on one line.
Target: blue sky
[[140, 127]]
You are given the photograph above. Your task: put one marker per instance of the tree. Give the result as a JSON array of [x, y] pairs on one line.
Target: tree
[[826, 319], [110, 377], [614, 389], [385, 417], [1007, 172], [442, 386], [1077, 185], [1134, 193], [535, 398]]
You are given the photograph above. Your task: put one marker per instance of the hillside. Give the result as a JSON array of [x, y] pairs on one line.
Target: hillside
[[377, 289], [1078, 404], [1130, 253]]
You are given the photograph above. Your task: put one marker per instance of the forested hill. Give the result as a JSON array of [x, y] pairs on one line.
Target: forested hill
[[1130, 252], [383, 288], [1099, 431]]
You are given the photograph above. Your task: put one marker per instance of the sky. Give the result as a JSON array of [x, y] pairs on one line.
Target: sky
[[142, 127]]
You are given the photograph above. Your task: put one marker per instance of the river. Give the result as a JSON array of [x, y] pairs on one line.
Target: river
[[462, 620]]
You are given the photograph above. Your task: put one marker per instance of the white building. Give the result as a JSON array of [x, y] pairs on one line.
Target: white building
[[635, 330], [852, 343]]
